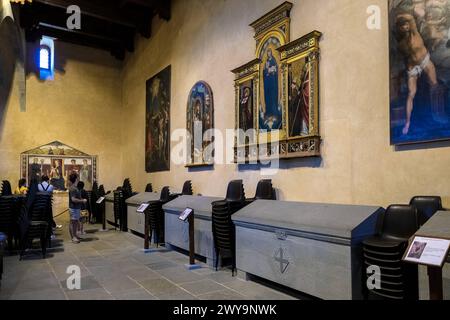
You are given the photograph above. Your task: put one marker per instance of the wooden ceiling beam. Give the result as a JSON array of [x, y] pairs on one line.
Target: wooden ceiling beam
[[103, 13]]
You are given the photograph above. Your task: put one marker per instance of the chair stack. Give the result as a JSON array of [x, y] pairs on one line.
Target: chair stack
[[399, 280], [93, 202], [119, 207], [40, 223], [155, 215], [222, 226], [8, 219], [2, 250], [6, 188]]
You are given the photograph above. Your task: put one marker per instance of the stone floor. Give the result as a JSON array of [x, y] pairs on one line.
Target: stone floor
[[113, 267]]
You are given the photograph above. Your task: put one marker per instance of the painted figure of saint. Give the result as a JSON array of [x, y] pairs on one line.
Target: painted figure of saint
[[198, 132], [84, 175], [299, 104], [246, 114], [270, 76]]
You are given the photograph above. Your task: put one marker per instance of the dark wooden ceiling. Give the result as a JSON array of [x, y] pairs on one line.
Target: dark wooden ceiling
[[106, 24]]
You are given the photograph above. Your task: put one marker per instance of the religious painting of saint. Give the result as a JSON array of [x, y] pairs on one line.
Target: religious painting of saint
[[271, 115], [246, 106], [199, 119], [419, 70], [56, 175], [299, 96], [157, 138]]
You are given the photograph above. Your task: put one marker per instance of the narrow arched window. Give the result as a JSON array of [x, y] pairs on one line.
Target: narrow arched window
[[44, 58]]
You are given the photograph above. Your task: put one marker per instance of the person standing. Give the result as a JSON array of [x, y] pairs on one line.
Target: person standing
[[75, 203]]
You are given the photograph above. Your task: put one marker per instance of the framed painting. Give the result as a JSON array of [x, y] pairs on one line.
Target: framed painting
[[199, 123], [285, 82], [301, 94], [157, 137], [58, 161], [419, 54]]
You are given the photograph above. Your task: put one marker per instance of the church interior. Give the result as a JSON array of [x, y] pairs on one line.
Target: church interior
[[224, 150]]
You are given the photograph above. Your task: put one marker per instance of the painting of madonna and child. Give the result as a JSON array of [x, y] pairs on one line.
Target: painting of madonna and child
[[419, 70], [270, 110]]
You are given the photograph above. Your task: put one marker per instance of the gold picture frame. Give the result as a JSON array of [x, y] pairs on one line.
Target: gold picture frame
[[285, 128]]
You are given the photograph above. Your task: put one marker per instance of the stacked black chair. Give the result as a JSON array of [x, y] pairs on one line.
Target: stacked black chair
[[2, 250], [100, 207], [8, 219], [119, 207], [93, 202], [222, 226], [399, 280], [6, 188], [39, 227], [426, 207], [149, 188], [155, 215]]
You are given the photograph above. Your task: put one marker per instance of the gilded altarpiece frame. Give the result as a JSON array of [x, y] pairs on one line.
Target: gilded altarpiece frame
[[300, 60], [246, 102], [283, 129]]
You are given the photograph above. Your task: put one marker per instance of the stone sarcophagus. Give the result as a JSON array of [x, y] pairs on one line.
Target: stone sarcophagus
[[312, 248], [136, 220], [177, 232], [109, 209]]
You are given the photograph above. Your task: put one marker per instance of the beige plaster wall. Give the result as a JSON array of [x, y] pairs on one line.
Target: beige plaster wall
[[80, 107], [204, 40]]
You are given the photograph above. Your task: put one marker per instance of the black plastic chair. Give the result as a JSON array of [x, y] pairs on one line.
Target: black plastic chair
[[186, 191], [6, 188], [187, 188], [264, 191], [149, 188], [426, 206], [223, 228], [399, 280]]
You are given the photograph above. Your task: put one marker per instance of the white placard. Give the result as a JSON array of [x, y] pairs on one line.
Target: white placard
[[142, 207], [100, 200], [427, 251], [185, 214]]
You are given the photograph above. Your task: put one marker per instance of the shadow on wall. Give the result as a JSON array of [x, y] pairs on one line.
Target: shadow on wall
[[425, 145], [314, 162], [8, 54]]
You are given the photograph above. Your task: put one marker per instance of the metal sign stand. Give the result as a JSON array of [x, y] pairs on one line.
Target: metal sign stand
[[192, 265]]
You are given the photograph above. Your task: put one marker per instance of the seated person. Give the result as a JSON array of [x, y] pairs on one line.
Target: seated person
[[22, 187]]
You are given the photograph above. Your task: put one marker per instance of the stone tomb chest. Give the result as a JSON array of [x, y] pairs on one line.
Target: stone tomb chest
[[312, 248], [136, 220], [177, 231], [109, 208]]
